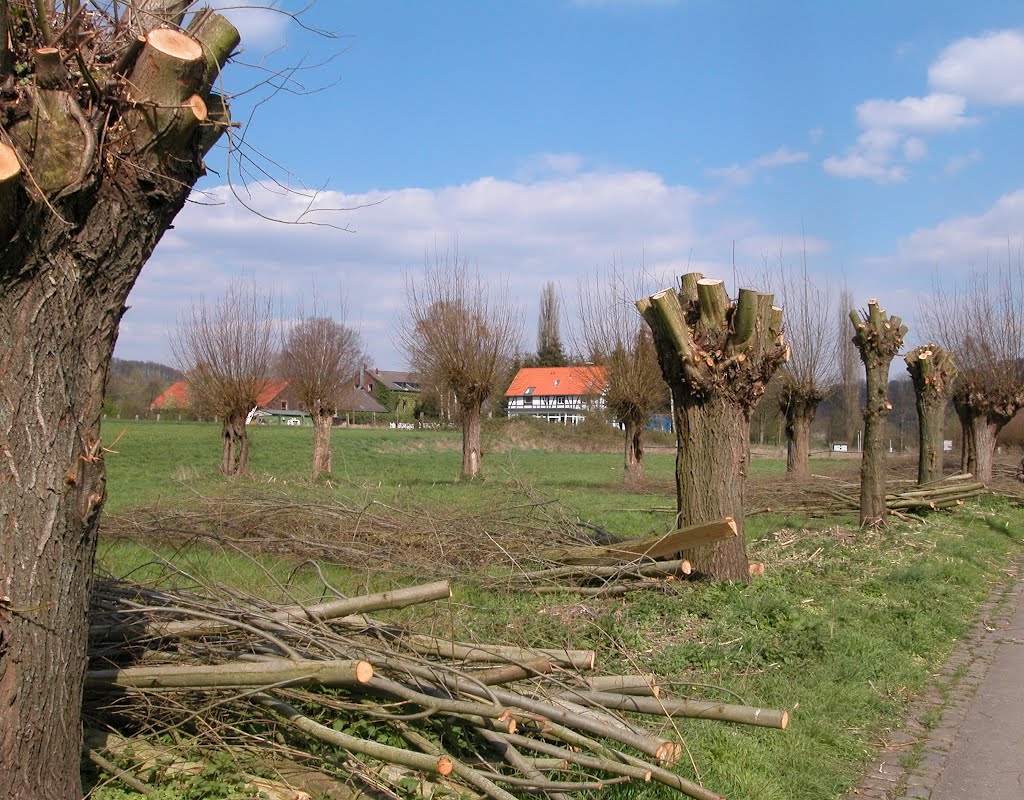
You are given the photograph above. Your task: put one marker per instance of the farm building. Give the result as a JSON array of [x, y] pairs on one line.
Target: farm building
[[557, 394], [277, 403]]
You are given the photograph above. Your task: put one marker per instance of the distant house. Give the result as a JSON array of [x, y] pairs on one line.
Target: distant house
[[174, 397], [276, 402], [403, 387], [356, 401], [557, 394]]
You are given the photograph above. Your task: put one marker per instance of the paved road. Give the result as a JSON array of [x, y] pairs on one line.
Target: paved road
[[987, 756]]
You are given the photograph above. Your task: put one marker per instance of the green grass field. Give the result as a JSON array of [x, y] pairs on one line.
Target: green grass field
[[843, 630]]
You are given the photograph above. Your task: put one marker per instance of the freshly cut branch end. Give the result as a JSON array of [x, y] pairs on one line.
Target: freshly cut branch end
[[174, 43], [10, 167]]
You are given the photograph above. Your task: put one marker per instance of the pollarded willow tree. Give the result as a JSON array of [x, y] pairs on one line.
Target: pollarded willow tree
[[933, 373], [982, 325], [878, 339], [716, 357], [319, 358], [106, 113], [613, 336], [811, 374], [461, 336], [226, 349]]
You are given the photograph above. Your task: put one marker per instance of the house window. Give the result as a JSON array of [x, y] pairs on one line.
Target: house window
[[527, 401], [284, 405]]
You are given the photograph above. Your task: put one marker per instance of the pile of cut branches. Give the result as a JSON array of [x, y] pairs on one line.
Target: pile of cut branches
[[324, 689], [620, 566], [949, 492], [370, 531], [820, 496]]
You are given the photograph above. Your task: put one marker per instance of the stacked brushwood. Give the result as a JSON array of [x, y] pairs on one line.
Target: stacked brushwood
[[620, 566], [327, 689], [950, 492]]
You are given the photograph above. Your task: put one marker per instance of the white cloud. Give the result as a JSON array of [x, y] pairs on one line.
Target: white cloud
[[780, 158], [733, 174], [260, 28], [741, 175], [914, 149], [547, 165], [959, 163], [860, 165], [931, 114], [986, 69], [522, 233], [965, 242]]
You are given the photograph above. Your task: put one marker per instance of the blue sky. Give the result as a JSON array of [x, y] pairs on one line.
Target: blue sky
[[550, 138]]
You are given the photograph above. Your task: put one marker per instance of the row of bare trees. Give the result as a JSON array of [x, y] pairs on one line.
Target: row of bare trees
[[230, 352]]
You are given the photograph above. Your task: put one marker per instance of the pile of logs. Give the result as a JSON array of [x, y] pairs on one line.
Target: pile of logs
[[949, 492], [604, 570], [344, 694]]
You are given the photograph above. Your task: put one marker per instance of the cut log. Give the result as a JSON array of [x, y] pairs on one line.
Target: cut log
[[643, 684], [650, 547], [233, 674], [512, 673], [394, 598], [700, 709], [431, 645], [582, 574]]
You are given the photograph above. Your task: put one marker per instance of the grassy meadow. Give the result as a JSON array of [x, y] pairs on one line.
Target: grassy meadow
[[843, 630]]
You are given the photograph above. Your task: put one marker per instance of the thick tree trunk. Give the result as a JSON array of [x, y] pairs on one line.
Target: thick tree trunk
[[471, 441], [798, 443], [799, 410], [878, 339], [74, 234], [872, 465], [634, 451], [932, 372], [931, 418], [716, 357], [51, 489], [963, 413], [980, 427], [713, 451], [984, 430], [322, 444], [234, 459]]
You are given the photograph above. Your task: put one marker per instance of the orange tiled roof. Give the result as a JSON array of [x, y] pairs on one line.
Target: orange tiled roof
[[174, 396], [557, 381], [269, 392]]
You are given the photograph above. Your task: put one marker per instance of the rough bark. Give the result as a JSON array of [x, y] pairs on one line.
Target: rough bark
[[932, 372], [322, 444], [471, 441], [878, 339], [984, 429], [716, 358], [235, 447], [963, 414], [984, 408], [799, 404], [634, 450], [71, 250], [712, 461]]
